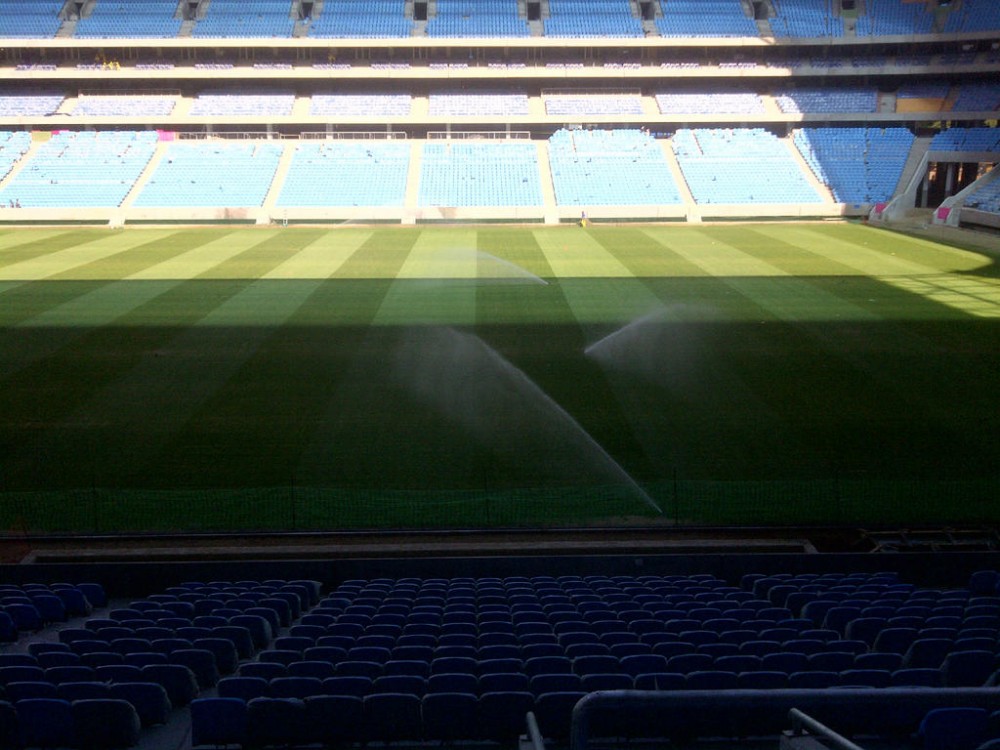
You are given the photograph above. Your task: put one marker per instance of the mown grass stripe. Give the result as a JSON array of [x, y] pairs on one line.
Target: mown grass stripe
[[100, 397], [870, 252], [574, 253], [436, 285], [23, 305], [67, 311], [61, 262], [284, 380], [343, 449], [21, 245]]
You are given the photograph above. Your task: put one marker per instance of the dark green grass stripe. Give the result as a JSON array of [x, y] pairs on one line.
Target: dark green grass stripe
[[279, 395], [508, 321], [646, 255], [43, 246], [794, 259], [49, 433], [30, 300]]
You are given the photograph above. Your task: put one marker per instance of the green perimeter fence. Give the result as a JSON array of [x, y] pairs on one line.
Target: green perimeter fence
[[839, 501]]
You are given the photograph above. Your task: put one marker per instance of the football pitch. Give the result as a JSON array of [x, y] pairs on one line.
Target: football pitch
[[330, 378]]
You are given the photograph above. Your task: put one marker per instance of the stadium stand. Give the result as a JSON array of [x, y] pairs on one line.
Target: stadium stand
[[195, 173], [359, 105], [246, 18], [710, 102], [860, 165], [716, 18], [805, 18], [361, 19], [894, 17], [475, 173], [130, 18], [595, 18], [853, 99], [609, 167], [39, 19], [347, 173], [742, 165], [124, 106], [12, 147], [593, 104], [29, 104], [985, 198], [977, 97], [967, 139], [82, 169], [477, 18], [973, 15], [236, 103], [478, 104]]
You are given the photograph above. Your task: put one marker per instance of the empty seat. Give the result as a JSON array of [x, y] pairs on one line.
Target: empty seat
[[218, 721], [105, 723]]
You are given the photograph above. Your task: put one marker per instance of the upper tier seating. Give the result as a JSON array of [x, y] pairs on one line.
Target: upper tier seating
[[83, 169], [967, 139], [593, 104], [364, 19], [480, 173], [29, 105], [830, 99], [361, 105], [38, 19], [609, 167], [714, 18], [977, 97], [860, 165], [479, 104], [347, 173], [477, 18], [246, 19], [592, 18], [124, 106], [973, 15], [12, 147], [740, 166], [710, 103], [212, 174], [130, 18], [892, 17], [234, 103], [805, 18], [924, 90]]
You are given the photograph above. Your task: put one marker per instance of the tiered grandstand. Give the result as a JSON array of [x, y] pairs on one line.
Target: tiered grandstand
[[389, 358], [846, 127]]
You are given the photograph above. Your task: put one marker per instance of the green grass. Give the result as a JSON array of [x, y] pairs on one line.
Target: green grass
[[243, 378]]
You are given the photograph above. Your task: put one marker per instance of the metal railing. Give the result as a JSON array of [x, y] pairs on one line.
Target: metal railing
[[803, 723]]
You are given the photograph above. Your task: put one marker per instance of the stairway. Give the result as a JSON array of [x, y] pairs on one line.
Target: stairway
[[412, 197], [549, 209], [147, 173], [682, 187], [821, 187], [277, 182]]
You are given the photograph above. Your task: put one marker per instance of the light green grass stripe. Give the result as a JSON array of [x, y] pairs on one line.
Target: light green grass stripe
[[167, 386], [718, 257], [866, 251], [573, 253], [322, 258], [787, 298], [62, 261], [436, 284], [16, 238], [773, 247], [449, 254]]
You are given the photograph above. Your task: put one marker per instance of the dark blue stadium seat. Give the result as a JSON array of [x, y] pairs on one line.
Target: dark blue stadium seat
[[218, 721]]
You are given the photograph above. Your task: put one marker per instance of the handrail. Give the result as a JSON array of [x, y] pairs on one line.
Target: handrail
[[804, 722], [534, 733]]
